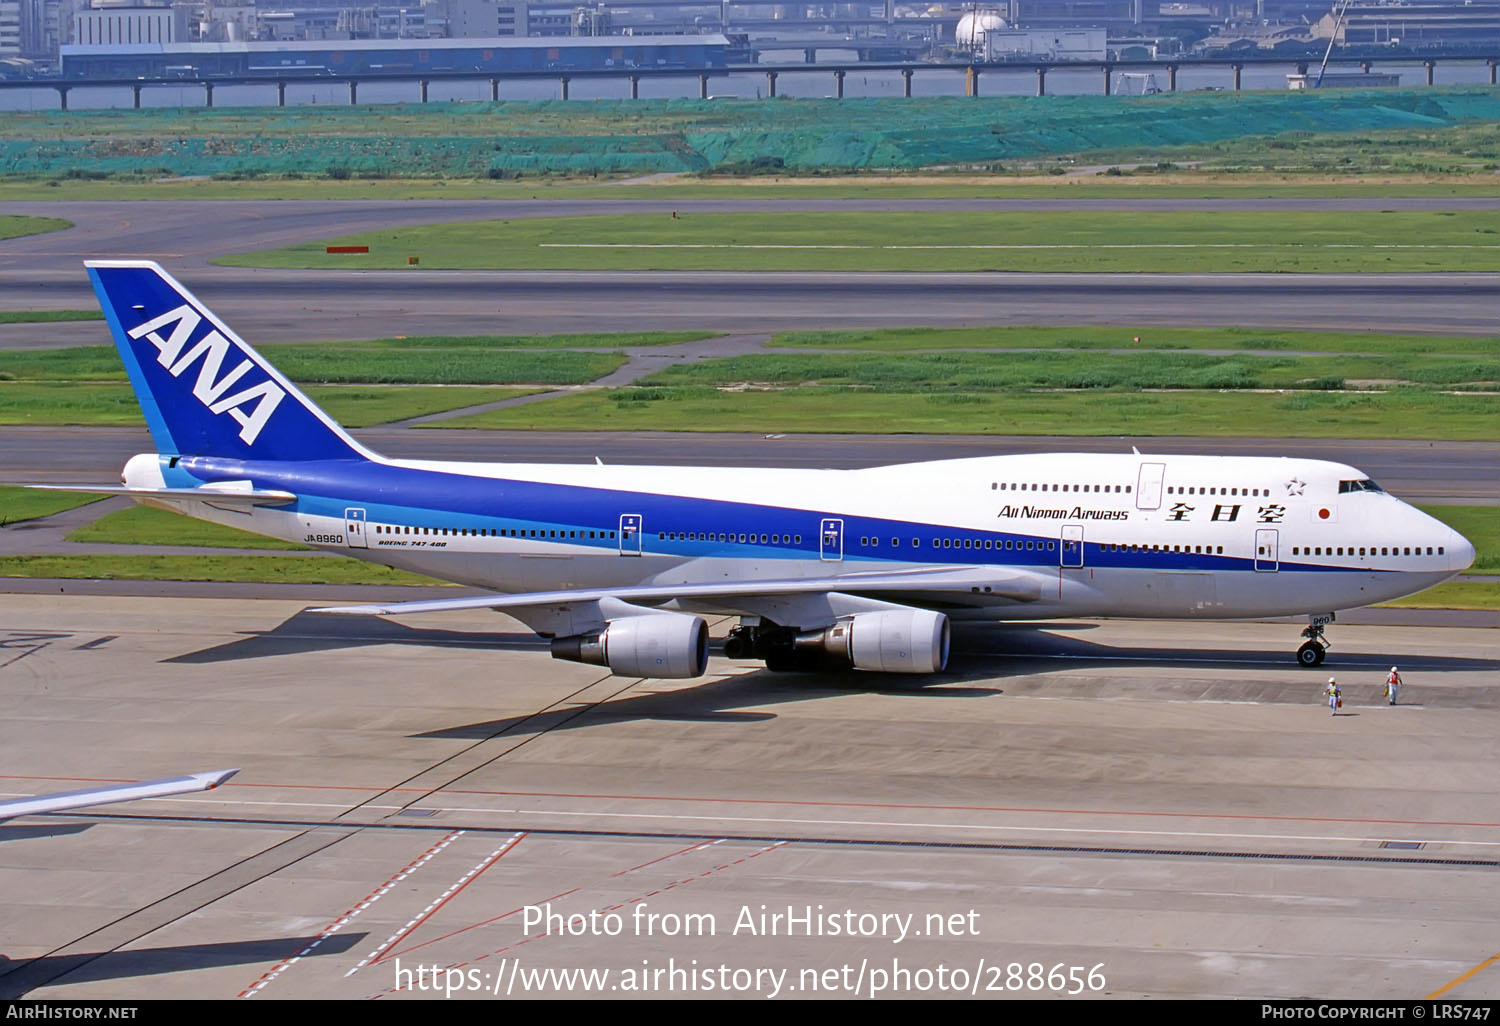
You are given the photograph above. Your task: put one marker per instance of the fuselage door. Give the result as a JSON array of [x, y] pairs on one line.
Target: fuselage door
[[1148, 486], [354, 528], [1072, 545], [1266, 559], [831, 540], [631, 527]]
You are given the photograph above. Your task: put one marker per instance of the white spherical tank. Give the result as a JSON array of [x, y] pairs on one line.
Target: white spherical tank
[[974, 25]]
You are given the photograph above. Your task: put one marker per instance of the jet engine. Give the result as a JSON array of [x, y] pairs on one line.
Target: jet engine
[[888, 641], [653, 645]]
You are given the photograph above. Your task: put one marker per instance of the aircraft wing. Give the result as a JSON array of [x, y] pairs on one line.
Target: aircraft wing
[[65, 800], [1018, 585], [230, 493]]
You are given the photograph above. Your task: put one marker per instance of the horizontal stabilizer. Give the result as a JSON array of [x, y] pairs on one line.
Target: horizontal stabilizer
[[1017, 585], [231, 493], [65, 800]]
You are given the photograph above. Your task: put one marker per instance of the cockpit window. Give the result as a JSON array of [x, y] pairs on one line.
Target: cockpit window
[[1365, 485]]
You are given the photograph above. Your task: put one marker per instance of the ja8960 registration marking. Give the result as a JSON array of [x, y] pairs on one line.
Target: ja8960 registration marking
[[325, 539]]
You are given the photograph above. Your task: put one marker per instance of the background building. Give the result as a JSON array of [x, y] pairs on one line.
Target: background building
[[391, 56]]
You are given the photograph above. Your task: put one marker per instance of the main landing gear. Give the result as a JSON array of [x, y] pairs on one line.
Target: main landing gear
[[1316, 646]]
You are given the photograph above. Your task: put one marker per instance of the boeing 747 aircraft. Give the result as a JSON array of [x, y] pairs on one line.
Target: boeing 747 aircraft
[[825, 568]]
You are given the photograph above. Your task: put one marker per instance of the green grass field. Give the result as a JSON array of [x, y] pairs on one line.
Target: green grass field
[[392, 362], [357, 406], [114, 405], [1097, 241], [142, 525], [44, 316], [981, 371], [1241, 183], [1479, 524], [14, 225], [68, 402], [1043, 380], [1407, 413], [270, 569], [1453, 595], [17, 504], [358, 383], [1136, 337]]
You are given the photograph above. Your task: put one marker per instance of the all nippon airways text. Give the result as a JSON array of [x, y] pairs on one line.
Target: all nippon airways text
[[751, 921]]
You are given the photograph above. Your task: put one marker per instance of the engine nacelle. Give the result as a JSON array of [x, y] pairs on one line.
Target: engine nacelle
[[654, 645], [890, 641]]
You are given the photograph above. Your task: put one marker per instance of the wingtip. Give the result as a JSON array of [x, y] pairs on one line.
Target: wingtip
[[214, 778]]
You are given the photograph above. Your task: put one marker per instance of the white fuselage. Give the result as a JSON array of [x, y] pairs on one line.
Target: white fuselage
[[1059, 534]]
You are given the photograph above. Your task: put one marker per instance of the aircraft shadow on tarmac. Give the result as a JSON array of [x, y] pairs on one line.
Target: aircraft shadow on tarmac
[[717, 700], [1027, 657], [18, 977], [26, 831], [329, 632]]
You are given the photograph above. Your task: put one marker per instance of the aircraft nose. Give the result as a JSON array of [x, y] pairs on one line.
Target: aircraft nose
[[1460, 552]]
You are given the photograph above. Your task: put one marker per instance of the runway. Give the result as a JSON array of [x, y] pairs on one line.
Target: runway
[[1169, 804], [192, 232], [1453, 473], [268, 306]]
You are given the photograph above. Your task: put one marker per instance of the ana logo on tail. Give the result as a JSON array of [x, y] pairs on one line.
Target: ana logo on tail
[[176, 356]]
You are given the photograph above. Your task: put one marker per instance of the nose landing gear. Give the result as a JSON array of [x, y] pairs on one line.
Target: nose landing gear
[[1313, 650]]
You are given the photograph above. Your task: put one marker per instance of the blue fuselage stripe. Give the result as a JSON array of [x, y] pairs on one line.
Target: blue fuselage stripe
[[447, 502]]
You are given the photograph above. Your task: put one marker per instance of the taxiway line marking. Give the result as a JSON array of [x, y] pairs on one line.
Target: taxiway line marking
[[997, 827], [1455, 982], [443, 899], [564, 894], [487, 922], [855, 805], [711, 800], [615, 908], [672, 855], [339, 923]]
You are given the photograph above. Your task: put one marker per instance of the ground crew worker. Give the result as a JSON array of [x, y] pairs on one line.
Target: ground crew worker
[[1392, 686], [1335, 697]]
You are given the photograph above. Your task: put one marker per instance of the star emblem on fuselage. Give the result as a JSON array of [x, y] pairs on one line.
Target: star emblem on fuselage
[[1295, 486]]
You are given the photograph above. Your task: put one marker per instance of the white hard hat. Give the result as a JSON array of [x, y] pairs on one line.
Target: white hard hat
[[1393, 669], [1332, 681]]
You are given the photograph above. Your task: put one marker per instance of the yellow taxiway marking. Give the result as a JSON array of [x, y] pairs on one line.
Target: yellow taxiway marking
[[1454, 983]]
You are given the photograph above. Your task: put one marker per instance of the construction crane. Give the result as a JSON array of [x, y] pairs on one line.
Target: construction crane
[[1340, 10]]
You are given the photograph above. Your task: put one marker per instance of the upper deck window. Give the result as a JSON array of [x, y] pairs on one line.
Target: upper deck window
[[1365, 485]]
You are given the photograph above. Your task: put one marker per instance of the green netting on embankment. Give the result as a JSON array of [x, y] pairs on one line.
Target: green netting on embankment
[[643, 136]]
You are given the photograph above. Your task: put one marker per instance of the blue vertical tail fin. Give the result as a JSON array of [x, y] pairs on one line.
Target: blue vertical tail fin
[[203, 390]]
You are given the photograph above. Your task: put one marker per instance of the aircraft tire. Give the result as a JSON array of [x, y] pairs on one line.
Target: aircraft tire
[[1310, 655]]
